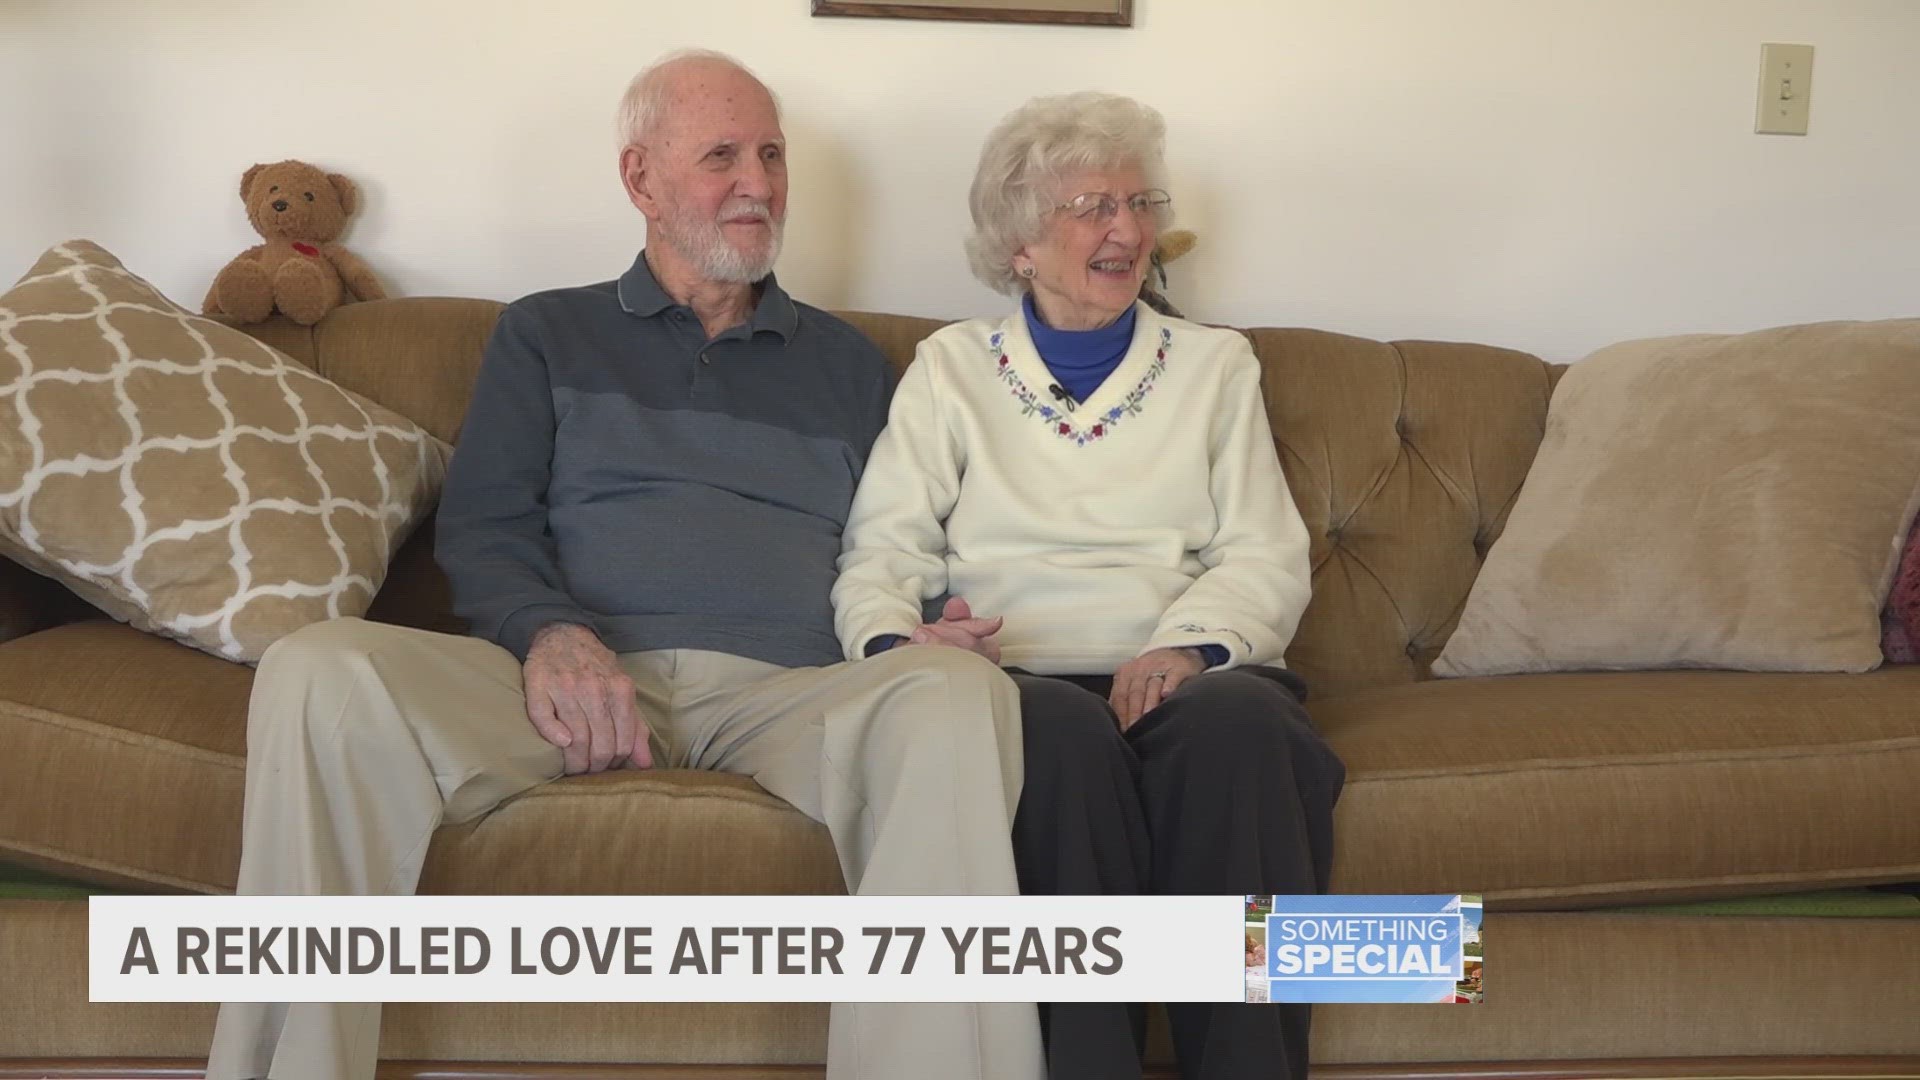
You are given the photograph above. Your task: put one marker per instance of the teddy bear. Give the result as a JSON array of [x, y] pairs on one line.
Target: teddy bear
[[1168, 248], [299, 209]]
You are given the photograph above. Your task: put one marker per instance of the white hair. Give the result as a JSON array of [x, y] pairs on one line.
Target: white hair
[[1029, 151], [700, 240], [645, 103]]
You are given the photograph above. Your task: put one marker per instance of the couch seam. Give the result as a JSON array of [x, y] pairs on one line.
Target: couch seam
[[142, 740], [1406, 444], [1543, 892], [97, 729], [1900, 742], [120, 735], [1393, 602], [763, 798], [76, 859], [125, 870], [1549, 892]]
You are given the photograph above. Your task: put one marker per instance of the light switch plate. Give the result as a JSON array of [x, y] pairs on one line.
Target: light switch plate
[[1786, 90]]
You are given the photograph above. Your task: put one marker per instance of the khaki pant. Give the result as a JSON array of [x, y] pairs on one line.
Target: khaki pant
[[363, 738]]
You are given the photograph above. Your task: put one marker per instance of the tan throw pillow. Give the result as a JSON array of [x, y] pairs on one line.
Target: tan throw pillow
[[1712, 501], [184, 477]]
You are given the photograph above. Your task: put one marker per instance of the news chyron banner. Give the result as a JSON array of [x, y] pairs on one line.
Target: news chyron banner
[[1424, 948], [782, 948], [664, 948]]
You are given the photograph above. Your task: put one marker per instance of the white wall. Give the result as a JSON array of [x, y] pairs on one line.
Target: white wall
[[1545, 174]]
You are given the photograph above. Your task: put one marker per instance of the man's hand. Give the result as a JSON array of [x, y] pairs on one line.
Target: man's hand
[[958, 627], [1143, 682], [580, 701]]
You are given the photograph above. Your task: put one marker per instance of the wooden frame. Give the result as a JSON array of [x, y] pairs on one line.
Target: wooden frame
[[1067, 12]]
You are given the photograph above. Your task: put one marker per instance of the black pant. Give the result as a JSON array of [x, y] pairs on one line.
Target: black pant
[[1225, 788]]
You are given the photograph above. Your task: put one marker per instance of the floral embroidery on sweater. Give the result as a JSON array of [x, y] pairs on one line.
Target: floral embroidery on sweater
[[1062, 423]]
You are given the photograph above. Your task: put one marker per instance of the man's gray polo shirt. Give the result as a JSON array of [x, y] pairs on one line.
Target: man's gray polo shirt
[[618, 469]]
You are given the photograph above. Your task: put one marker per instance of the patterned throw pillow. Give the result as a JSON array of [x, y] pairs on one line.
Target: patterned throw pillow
[[184, 477], [1900, 623]]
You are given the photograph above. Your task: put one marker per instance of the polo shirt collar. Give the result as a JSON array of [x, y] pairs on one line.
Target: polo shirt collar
[[640, 294]]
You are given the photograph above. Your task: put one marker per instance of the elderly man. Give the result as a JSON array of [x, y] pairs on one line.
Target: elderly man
[[641, 525]]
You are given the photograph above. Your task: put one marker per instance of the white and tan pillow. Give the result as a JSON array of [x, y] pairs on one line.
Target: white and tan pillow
[[184, 477], [1714, 501]]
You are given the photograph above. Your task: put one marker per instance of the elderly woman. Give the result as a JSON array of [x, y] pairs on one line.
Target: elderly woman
[[1099, 483]]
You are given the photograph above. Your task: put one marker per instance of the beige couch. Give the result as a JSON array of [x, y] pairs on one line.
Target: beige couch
[[121, 762]]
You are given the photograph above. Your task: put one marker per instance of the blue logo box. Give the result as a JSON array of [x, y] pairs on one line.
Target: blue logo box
[[1413, 948]]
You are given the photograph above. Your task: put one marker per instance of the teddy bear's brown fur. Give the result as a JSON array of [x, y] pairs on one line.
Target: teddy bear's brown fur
[[300, 210]]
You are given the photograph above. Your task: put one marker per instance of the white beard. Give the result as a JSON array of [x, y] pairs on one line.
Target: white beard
[[702, 242]]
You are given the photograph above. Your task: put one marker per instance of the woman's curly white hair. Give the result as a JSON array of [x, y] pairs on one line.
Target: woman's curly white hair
[[1016, 184]]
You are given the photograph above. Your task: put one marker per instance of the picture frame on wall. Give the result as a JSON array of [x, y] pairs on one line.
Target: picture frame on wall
[[1067, 12]]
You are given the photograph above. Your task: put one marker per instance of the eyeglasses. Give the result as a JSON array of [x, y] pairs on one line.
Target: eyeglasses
[[1101, 207]]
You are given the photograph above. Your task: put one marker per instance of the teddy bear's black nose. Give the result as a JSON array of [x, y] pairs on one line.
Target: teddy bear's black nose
[[280, 204]]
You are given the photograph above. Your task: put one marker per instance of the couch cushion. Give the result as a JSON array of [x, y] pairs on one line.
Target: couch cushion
[[1557, 790], [1404, 458], [898, 336], [1583, 789], [417, 356], [130, 770], [1709, 501], [185, 478], [417, 592], [125, 767]]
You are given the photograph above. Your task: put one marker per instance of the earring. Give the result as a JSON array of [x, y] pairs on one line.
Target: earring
[[1026, 272]]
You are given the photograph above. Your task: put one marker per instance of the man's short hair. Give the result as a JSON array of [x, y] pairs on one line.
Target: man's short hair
[[645, 101]]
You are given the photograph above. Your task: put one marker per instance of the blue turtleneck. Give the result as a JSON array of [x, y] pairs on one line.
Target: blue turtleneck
[[1080, 360]]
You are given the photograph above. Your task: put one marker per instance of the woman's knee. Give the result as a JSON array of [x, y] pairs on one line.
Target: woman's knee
[[1237, 712], [1061, 721], [1236, 693]]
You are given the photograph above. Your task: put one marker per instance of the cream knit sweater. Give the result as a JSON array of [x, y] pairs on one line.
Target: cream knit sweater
[[1152, 515]]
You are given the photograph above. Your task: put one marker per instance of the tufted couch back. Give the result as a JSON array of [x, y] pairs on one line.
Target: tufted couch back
[[1404, 459]]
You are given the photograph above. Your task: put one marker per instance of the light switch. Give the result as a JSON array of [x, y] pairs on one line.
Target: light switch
[[1786, 90]]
